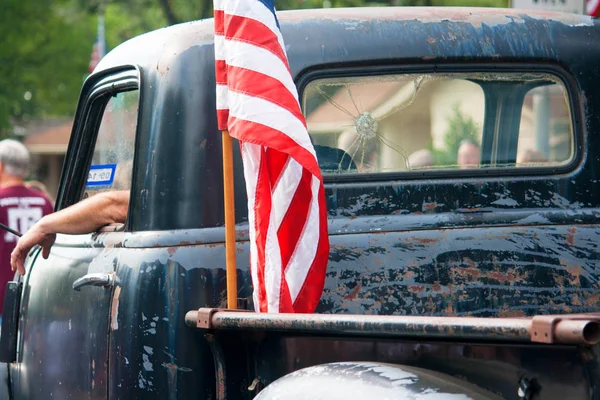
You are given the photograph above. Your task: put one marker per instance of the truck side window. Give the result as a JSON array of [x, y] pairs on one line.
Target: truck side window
[[112, 160], [438, 121]]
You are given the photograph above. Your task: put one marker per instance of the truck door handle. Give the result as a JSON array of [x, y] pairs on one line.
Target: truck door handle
[[96, 279]]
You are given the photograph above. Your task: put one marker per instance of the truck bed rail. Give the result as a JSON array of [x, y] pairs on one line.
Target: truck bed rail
[[565, 329]]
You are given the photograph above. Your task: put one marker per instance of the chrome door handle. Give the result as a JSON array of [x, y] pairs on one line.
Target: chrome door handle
[[96, 279]]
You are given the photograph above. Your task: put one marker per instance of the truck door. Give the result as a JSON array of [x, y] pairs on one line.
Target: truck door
[[62, 342]]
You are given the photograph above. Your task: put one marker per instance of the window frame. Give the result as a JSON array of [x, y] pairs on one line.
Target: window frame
[[370, 70], [96, 93]]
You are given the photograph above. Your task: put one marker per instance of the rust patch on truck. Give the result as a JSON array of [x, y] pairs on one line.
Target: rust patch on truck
[[571, 236]]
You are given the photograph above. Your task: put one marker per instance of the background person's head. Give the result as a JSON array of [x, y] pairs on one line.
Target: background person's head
[[421, 159], [469, 155], [14, 161], [531, 156]]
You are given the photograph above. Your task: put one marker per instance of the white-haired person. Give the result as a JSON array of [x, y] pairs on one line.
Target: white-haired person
[[20, 206]]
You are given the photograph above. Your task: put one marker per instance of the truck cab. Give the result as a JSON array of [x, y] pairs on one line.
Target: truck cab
[[457, 149]]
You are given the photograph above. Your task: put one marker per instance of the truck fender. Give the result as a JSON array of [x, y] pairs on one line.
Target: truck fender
[[370, 380]]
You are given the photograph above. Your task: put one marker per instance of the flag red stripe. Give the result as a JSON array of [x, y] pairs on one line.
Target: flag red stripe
[[310, 293], [221, 72], [255, 84], [262, 214], [222, 116], [252, 132], [219, 22], [285, 298], [294, 221], [253, 32], [276, 161]]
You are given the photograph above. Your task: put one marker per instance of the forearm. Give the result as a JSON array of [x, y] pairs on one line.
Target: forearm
[[88, 215]]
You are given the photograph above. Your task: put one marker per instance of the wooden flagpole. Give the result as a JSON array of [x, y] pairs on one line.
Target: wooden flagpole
[[229, 202]]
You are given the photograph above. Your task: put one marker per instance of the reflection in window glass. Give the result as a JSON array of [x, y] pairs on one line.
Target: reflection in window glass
[[112, 161], [545, 132], [421, 122]]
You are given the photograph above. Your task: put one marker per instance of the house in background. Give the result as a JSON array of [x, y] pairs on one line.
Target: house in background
[[47, 142]]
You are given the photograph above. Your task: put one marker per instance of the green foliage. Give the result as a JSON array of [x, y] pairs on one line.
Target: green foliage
[[40, 73], [460, 128]]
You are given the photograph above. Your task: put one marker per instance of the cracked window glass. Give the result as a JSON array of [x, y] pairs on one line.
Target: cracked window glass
[[420, 122]]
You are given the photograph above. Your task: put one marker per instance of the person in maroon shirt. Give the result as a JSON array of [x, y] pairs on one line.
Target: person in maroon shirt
[[20, 207]]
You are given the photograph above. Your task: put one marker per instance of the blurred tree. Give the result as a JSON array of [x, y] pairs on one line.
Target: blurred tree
[[460, 128], [40, 71]]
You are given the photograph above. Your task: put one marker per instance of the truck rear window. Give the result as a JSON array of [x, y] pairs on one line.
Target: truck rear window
[[421, 122]]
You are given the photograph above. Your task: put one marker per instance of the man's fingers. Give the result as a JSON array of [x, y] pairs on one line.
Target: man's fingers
[[16, 262], [14, 259], [46, 252]]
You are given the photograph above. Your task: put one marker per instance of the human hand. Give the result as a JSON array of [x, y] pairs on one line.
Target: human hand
[[34, 236]]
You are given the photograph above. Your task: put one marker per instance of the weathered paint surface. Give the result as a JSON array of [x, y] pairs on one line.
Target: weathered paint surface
[[512, 271]]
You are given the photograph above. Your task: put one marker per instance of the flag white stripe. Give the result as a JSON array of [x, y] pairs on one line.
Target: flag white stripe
[[257, 11], [264, 112], [285, 189], [258, 59], [222, 94], [304, 254], [219, 47], [251, 155], [272, 267], [591, 6]]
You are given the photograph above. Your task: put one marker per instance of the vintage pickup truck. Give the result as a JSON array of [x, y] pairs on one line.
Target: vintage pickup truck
[[457, 147]]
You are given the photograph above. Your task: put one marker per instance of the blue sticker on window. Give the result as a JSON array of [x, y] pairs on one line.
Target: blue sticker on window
[[101, 175]]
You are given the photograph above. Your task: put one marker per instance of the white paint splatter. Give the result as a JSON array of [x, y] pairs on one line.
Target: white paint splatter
[[146, 363]]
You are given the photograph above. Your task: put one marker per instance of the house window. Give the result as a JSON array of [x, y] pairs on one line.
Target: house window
[[424, 122]]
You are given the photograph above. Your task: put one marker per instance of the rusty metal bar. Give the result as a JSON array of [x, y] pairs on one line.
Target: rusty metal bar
[[569, 328], [572, 329]]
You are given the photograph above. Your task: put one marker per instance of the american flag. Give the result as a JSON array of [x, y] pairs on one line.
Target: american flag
[[99, 49], [592, 7], [257, 102]]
